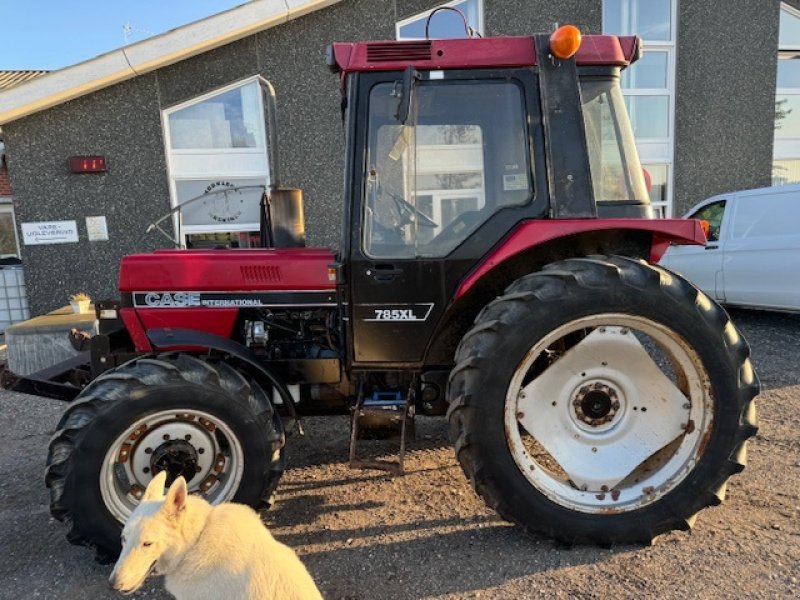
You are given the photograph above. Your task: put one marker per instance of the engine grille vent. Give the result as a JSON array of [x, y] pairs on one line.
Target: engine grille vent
[[406, 51], [261, 274]]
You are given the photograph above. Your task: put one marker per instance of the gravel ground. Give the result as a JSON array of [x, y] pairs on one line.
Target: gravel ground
[[364, 535]]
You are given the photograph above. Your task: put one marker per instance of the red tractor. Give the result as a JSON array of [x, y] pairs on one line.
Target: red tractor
[[496, 265]]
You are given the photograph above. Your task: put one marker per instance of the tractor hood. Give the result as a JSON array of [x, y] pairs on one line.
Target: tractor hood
[[227, 270]]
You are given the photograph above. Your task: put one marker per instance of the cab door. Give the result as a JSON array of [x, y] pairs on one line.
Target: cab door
[[431, 200]]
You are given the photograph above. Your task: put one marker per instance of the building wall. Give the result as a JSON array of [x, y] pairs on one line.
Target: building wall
[[725, 97], [123, 123]]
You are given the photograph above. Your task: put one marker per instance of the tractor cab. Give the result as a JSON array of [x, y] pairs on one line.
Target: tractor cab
[[451, 145]]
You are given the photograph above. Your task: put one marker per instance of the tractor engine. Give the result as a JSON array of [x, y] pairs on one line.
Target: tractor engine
[[291, 334]]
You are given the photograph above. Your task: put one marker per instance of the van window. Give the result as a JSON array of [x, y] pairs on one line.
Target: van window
[[765, 216], [713, 214]]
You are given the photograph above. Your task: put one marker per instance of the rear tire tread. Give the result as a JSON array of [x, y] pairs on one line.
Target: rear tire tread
[[580, 276]]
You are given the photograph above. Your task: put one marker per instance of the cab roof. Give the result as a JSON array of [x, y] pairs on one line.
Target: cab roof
[[519, 51]]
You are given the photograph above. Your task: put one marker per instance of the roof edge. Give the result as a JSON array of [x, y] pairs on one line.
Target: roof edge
[[151, 54]]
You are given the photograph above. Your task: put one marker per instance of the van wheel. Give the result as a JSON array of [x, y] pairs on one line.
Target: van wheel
[[177, 413], [620, 406]]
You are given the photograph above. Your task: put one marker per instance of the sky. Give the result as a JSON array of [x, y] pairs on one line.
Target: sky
[[51, 34]]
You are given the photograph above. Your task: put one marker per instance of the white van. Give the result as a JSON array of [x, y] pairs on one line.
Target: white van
[[753, 254]]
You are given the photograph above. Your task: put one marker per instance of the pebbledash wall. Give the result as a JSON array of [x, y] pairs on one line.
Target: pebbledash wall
[[722, 103]]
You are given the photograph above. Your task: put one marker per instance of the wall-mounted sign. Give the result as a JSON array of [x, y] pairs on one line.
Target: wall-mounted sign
[[49, 232], [97, 229]]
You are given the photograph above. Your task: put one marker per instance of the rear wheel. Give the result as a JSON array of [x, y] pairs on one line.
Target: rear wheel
[[192, 418], [619, 409]]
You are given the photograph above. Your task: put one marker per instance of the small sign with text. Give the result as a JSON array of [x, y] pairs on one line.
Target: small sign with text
[[49, 232]]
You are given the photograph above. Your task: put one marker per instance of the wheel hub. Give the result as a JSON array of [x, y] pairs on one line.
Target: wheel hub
[[176, 457], [620, 410], [596, 403], [178, 443]]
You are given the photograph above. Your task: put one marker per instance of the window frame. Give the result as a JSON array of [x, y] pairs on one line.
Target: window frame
[[659, 151], [522, 79], [785, 148], [256, 165], [168, 112], [7, 206], [725, 212]]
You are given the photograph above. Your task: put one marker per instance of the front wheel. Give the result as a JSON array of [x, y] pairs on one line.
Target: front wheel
[[602, 400], [189, 417]]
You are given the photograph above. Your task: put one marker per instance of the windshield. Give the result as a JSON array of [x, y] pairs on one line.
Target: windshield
[[614, 162], [461, 157]]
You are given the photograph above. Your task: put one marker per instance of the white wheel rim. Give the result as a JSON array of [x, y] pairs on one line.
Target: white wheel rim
[[602, 452], [129, 462]]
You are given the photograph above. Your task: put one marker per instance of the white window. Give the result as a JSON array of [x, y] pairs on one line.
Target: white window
[[786, 154], [649, 88], [217, 159], [445, 24]]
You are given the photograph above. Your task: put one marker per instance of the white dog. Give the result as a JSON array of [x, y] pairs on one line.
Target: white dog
[[206, 551]]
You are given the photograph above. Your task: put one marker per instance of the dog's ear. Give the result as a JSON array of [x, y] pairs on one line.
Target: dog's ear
[[155, 489], [175, 501]]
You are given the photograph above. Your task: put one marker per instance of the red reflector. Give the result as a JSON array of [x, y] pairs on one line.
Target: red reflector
[[87, 164]]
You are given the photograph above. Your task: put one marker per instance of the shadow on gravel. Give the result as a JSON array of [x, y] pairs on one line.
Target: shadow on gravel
[[327, 441], [437, 563], [774, 340]]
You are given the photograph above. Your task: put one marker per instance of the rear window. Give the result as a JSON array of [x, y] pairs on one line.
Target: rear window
[[616, 172]]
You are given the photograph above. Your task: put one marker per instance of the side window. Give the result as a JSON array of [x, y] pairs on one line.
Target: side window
[[713, 214], [462, 156]]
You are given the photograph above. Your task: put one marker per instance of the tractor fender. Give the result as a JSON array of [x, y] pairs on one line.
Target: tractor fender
[[166, 339], [532, 245], [534, 233]]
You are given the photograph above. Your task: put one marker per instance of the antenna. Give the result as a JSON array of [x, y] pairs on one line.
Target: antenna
[[128, 29]]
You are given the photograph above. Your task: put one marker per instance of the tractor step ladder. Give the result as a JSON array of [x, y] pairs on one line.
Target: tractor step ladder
[[382, 416]]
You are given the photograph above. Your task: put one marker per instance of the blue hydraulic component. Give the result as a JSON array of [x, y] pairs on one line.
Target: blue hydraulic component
[[386, 399]]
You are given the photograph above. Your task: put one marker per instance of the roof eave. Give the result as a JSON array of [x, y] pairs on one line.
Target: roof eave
[[148, 55]]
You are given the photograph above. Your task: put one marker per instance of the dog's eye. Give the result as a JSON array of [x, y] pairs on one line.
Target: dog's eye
[[146, 544]]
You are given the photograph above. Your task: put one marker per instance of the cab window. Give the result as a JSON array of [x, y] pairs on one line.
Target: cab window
[[461, 156]]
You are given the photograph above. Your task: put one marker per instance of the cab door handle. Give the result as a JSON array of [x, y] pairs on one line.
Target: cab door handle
[[384, 273], [712, 246]]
